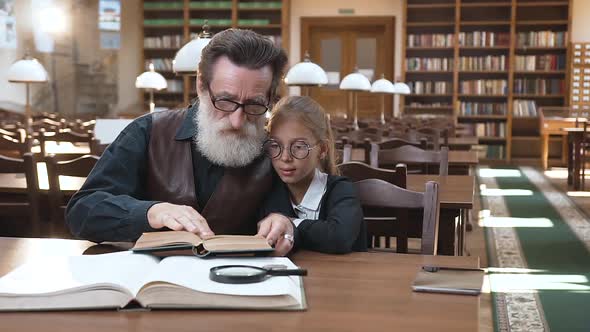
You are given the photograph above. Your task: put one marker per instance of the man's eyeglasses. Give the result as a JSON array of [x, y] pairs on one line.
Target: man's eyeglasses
[[226, 105], [298, 149]]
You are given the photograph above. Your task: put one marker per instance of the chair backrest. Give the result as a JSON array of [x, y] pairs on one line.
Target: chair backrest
[[63, 135], [357, 171], [344, 154], [411, 156], [79, 167], [374, 193], [26, 166], [14, 146]]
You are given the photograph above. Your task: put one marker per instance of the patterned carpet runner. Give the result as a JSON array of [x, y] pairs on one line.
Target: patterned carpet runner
[[539, 248]]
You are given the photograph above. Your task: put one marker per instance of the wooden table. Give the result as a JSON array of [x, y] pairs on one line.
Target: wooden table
[[354, 292], [462, 160], [554, 126], [456, 195]]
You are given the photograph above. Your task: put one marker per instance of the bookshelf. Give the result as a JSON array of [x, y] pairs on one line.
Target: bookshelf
[[169, 24], [501, 60]]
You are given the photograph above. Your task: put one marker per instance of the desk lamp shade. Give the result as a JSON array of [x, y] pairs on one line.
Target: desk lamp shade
[[186, 61], [151, 80], [355, 81], [382, 85], [401, 88], [306, 73], [27, 70]]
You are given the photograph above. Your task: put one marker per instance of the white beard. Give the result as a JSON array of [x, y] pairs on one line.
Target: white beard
[[224, 146]]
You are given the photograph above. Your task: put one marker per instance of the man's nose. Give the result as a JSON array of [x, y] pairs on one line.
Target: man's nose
[[237, 118]]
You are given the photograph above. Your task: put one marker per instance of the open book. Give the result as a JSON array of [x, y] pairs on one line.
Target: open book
[[119, 280], [187, 243]]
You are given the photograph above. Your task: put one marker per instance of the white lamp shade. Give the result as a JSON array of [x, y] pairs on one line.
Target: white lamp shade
[[355, 81], [306, 73], [401, 88], [27, 71], [382, 86], [150, 80], [186, 61]]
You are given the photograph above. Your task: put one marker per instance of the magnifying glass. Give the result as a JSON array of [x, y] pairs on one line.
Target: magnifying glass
[[246, 274]]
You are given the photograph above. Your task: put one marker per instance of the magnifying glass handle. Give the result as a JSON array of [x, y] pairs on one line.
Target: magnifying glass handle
[[287, 272]]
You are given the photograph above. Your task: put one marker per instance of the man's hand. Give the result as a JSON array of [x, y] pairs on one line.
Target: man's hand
[[278, 231], [178, 218]]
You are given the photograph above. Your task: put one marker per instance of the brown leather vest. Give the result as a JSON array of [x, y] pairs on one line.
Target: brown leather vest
[[231, 207]]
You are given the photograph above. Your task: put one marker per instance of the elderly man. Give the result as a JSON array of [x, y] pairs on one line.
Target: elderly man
[[199, 169]]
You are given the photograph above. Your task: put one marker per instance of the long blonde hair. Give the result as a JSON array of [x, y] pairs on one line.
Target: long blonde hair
[[311, 115]]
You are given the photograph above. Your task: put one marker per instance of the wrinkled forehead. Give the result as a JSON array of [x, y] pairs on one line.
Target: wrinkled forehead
[[238, 82]]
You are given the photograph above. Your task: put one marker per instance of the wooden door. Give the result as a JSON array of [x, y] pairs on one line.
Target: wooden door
[[339, 45]]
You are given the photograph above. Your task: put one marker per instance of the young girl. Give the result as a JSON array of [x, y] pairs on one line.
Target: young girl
[[322, 205]]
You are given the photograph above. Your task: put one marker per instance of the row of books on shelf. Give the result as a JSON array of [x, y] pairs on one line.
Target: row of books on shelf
[[431, 87], [524, 108], [540, 86], [543, 62], [487, 129], [428, 105], [490, 151], [490, 62], [173, 41], [470, 108], [175, 85], [483, 87], [490, 39], [437, 64], [159, 64], [201, 21], [212, 5], [542, 39], [431, 40], [484, 39]]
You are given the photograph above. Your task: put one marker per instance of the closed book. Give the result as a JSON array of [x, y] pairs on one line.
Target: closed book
[[126, 280], [187, 243], [449, 280]]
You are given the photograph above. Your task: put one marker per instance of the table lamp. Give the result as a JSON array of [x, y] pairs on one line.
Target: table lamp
[[27, 70], [150, 80], [186, 61], [382, 86], [355, 82], [306, 74]]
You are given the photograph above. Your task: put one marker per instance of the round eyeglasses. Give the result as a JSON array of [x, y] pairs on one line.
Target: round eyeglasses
[[226, 105], [297, 149]]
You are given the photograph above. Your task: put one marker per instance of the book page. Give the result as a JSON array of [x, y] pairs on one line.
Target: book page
[[193, 273], [166, 238], [56, 274]]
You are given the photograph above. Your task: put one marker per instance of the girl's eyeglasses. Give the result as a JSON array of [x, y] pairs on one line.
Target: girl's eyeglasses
[[298, 149]]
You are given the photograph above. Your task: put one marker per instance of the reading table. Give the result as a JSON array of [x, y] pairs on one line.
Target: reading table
[[354, 292]]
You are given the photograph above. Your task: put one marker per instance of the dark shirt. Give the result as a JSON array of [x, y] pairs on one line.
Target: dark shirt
[[340, 227], [111, 205]]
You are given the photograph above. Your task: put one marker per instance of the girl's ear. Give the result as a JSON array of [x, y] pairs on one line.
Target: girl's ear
[[323, 150]]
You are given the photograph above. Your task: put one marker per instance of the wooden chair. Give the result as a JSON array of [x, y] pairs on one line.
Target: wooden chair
[[14, 206], [64, 135], [411, 156], [380, 224], [374, 193], [343, 153], [12, 145], [79, 167], [357, 171]]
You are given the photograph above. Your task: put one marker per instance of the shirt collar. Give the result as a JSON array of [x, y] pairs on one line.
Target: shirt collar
[[315, 192], [188, 128]]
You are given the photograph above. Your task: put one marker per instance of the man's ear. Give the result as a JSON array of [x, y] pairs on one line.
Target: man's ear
[[199, 82]]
